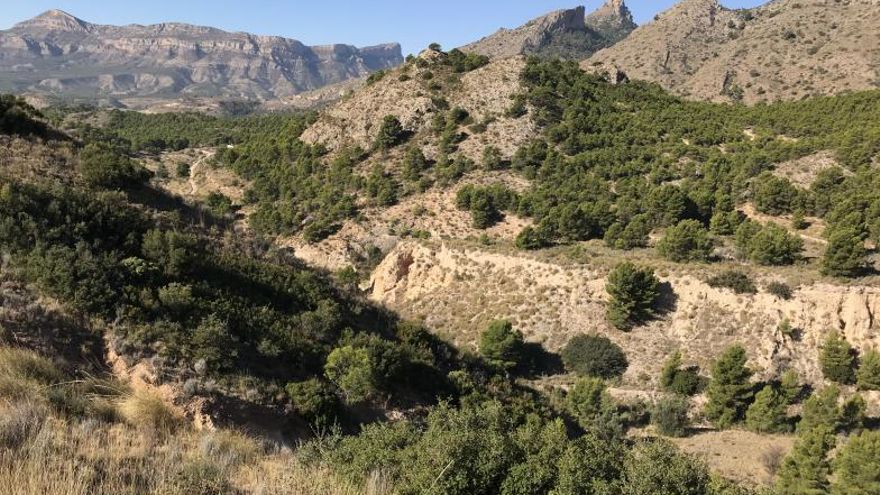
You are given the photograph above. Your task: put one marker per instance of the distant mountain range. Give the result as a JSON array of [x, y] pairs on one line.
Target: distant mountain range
[[567, 34], [786, 49], [57, 53]]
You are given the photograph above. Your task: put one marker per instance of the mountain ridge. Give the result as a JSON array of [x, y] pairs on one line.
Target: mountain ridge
[[566, 33], [58, 53], [782, 50]]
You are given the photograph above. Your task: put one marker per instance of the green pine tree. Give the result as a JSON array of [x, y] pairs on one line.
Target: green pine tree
[[852, 414], [837, 360], [729, 391], [501, 343], [634, 292], [391, 133], [768, 413], [790, 386], [857, 466], [587, 400], [845, 255], [821, 410], [805, 471], [868, 376]]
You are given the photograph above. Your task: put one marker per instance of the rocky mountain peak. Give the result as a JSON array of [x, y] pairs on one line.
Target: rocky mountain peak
[[56, 20], [567, 33], [613, 20], [616, 10], [560, 20]]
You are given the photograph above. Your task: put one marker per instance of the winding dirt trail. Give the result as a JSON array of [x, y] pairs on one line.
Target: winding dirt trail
[[195, 170]]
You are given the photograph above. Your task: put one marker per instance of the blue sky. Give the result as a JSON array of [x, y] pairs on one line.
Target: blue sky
[[414, 24]]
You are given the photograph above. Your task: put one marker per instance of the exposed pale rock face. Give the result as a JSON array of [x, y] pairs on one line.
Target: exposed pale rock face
[[567, 33], [783, 50], [613, 20], [458, 290], [56, 52]]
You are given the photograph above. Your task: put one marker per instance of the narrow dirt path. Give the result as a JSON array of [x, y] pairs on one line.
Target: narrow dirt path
[[196, 168]]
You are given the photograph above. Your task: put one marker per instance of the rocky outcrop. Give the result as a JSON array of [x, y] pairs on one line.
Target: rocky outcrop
[[58, 53], [783, 50], [458, 290], [613, 20], [566, 33], [484, 93]]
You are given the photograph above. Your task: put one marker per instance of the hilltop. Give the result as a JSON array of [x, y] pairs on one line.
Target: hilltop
[[58, 54], [784, 50], [568, 33]]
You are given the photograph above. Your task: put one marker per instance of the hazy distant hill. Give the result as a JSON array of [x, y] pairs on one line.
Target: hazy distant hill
[[60, 54], [787, 49]]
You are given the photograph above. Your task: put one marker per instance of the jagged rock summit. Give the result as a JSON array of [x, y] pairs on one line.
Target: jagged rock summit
[[783, 50], [565, 33], [613, 20], [57, 53]]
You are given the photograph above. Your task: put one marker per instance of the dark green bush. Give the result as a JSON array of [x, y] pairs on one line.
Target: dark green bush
[[670, 416], [737, 281], [594, 355], [101, 166], [531, 238], [501, 343], [678, 380], [686, 241], [313, 399], [780, 289]]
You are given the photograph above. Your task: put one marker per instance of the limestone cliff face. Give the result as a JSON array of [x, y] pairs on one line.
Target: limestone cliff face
[[567, 33], [457, 291], [613, 20], [56, 52]]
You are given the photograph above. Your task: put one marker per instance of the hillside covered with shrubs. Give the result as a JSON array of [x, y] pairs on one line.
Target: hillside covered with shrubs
[[367, 400]]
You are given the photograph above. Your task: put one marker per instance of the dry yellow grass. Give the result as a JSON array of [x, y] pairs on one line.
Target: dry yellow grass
[[63, 437], [145, 408], [73, 457], [24, 372]]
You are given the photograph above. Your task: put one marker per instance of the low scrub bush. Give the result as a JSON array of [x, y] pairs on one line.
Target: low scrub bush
[[737, 281], [779, 289], [670, 416]]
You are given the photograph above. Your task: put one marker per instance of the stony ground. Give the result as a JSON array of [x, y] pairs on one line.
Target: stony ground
[[784, 50]]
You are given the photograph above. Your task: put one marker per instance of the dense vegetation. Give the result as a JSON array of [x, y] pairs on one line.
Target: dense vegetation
[[617, 161], [135, 131], [613, 163], [255, 324]]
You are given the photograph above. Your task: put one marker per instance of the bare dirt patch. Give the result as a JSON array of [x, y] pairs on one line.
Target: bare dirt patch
[[802, 172], [203, 178], [739, 455]]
